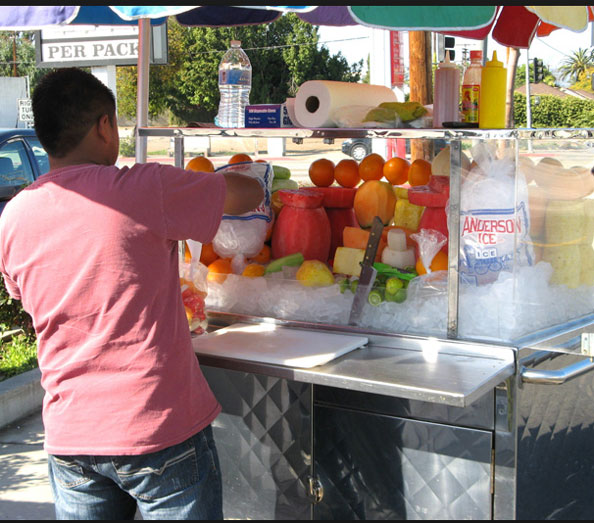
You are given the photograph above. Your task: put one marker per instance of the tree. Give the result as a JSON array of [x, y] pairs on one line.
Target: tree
[[22, 45], [283, 55], [520, 78], [584, 81], [576, 64]]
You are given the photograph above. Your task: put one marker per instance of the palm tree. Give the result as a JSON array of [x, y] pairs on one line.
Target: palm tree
[[576, 64]]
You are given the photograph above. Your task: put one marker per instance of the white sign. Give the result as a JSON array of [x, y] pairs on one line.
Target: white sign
[[87, 46], [25, 110]]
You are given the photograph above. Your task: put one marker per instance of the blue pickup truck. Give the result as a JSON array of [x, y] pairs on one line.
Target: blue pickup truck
[[22, 161]]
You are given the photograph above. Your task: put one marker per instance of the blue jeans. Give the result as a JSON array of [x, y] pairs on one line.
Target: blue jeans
[[180, 482]]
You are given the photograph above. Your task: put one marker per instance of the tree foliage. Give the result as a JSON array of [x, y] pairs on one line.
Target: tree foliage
[[283, 55], [520, 78], [573, 66], [22, 45], [554, 112]]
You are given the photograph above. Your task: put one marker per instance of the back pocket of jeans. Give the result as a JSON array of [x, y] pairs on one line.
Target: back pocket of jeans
[[68, 472], [159, 474]]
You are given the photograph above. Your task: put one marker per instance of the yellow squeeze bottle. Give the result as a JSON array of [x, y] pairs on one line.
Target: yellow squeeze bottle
[[492, 97]]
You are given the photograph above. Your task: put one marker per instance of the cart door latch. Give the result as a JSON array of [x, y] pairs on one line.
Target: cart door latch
[[315, 489], [588, 344]]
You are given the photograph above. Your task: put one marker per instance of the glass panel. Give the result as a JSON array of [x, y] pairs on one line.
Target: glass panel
[[14, 165], [525, 263], [40, 155]]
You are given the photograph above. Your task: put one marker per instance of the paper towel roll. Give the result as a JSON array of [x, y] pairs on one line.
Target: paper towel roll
[[317, 100]]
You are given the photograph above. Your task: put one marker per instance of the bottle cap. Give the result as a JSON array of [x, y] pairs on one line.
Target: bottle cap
[[446, 62], [235, 43], [494, 62], [476, 55]]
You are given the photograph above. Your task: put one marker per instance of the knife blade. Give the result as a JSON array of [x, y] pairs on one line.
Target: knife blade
[[368, 272]]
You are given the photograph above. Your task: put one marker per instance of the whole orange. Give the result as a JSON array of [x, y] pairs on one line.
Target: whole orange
[[218, 270], [200, 164], [439, 263], [207, 254], [396, 170], [240, 157], [321, 172], [419, 172], [346, 173], [372, 167], [263, 256]]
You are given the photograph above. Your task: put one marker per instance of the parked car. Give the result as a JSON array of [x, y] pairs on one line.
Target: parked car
[[22, 161], [357, 148]]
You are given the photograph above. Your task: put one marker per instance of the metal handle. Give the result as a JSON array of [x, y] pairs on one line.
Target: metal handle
[[556, 377]]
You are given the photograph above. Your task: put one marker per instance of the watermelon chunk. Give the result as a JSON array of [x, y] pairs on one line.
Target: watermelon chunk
[[336, 197], [435, 194], [301, 198]]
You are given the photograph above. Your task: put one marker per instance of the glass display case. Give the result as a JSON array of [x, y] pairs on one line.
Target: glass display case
[[519, 227]]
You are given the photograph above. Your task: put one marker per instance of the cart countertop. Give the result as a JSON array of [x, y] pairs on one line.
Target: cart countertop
[[431, 371]]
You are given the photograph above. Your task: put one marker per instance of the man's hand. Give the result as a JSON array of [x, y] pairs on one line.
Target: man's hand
[[244, 193]]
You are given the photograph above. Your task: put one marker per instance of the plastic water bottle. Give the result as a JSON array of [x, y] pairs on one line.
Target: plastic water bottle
[[235, 83], [446, 95]]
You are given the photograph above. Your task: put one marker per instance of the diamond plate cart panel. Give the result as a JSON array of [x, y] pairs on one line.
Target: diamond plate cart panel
[[382, 467], [263, 438]]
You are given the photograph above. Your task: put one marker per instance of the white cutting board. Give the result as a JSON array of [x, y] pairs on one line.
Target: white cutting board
[[268, 343]]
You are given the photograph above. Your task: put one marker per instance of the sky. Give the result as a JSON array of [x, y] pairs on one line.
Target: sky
[[553, 49]]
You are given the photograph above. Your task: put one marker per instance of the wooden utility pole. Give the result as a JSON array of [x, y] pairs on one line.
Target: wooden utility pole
[[421, 83]]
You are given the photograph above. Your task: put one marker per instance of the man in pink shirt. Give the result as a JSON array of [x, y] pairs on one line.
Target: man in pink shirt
[[92, 252]]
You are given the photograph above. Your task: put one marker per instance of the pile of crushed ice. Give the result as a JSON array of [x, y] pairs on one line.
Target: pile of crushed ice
[[513, 306]]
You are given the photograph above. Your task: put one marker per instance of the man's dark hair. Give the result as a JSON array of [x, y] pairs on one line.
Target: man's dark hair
[[66, 104]]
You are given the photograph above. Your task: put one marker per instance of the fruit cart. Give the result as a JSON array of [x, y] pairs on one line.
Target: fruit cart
[[470, 399]]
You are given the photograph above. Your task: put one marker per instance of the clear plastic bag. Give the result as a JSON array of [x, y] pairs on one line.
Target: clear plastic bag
[[243, 236], [494, 218], [194, 288]]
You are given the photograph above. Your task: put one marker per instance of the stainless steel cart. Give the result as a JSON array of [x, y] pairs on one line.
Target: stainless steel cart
[[457, 424]]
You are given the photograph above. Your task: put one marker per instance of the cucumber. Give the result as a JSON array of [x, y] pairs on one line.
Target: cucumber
[[279, 183], [292, 260], [375, 297], [280, 172]]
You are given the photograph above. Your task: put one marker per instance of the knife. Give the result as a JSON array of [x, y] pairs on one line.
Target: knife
[[368, 272]]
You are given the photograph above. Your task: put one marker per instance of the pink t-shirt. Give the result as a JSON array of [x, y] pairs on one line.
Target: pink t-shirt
[[92, 253]]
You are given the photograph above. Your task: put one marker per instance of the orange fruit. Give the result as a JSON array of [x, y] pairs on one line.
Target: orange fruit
[[396, 170], [187, 253], [240, 157], [371, 167], [218, 270], [260, 160], [439, 263], [200, 164], [207, 254], [263, 256], [419, 172], [321, 172], [253, 270], [346, 173]]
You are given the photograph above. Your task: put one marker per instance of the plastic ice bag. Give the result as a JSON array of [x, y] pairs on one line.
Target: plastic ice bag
[[243, 236], [494, 218]]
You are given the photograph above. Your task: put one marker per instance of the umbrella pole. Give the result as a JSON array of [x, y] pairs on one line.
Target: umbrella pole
[[144, 45]]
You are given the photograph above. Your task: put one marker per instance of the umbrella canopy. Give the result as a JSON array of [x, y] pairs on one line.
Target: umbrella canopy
[[512, 25]]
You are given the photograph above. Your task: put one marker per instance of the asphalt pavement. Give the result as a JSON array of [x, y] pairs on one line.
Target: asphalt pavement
[[24, 487]]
